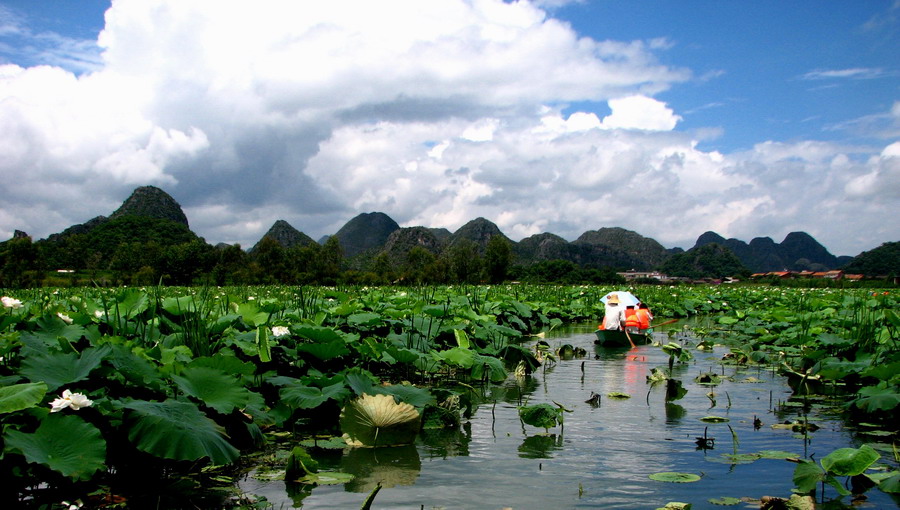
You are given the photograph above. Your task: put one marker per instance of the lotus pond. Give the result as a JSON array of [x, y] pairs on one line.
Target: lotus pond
[[444, 397], [730, 429]]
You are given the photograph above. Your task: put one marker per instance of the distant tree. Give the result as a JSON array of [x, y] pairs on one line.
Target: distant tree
[[329, 262], [497, 259], [465, 262], [708, 261], [184, 262], [230, 260], [881, 261], [270, 256], [19, 262], [418, 261]]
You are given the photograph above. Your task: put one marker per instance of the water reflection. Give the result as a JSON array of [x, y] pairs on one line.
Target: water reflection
[[398, 465], [539, 446]]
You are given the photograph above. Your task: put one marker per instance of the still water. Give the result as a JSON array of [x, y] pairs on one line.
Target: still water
[[603, 455]]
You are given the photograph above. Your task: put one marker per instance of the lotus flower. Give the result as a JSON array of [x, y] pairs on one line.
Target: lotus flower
[[9, 302], [65, 318], [378, 419], [278, 331], [74, 400]]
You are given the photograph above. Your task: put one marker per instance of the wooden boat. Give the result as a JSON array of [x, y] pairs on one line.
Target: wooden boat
[[617, 338]]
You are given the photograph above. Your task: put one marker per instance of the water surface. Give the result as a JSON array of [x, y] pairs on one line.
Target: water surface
[[603, 455]]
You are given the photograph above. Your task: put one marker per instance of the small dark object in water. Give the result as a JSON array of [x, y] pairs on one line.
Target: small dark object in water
[[705, 442], [757, 423], [594, 400]]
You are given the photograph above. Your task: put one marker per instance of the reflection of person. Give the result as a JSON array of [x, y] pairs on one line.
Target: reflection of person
[[614, 317], [644, 317], [631, 319]]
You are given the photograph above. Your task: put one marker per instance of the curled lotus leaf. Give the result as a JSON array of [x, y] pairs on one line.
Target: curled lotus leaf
[[372, 420]]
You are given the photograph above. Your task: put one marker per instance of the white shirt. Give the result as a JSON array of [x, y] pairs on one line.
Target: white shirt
[[614, 317]]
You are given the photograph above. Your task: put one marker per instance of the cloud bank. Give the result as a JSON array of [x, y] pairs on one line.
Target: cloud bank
[[314, 113]]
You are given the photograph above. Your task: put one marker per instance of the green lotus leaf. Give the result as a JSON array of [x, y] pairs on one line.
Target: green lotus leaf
[[214, 387], [541, 415], [326, 478], [887, 482], [365, 319], [226, 363], [881, 397], [618, 395], [725, 501], [714, 419], [263, 345], [58, 369], [299, 396], [416, 397], [317, 334], [21, 396], [331, 443], [777, 454], [850, 461], [378, 420], [807, 476], [178, 431], [463, 358], [64, 443], [496, 372], [670, 476], [134, 368], [326, 351]]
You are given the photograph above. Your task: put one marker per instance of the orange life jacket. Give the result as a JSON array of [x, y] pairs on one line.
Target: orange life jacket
[[643, 316], [631, 318]]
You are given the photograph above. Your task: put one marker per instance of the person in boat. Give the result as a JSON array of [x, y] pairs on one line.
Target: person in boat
[[631, 319], [614, 316], [644, 317]]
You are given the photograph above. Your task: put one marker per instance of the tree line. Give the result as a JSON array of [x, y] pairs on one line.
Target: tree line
[[24, 263]]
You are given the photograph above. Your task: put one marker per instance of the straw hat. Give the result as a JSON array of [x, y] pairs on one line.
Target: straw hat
[[613, 299]]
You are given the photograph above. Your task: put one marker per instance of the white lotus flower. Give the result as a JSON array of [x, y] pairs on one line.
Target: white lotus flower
[[98, 314], [278, 331], [65, 318], [9, 302], [74, 400]]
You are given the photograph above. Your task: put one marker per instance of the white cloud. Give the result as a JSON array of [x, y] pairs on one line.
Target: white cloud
[[315, 112], [640, 112]]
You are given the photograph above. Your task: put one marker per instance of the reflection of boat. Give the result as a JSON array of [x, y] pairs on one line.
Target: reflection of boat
[[617, 338]]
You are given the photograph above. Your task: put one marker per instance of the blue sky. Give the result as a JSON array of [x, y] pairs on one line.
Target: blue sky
[[666, 118]]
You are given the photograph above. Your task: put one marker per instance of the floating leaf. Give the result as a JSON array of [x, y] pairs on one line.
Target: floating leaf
[[725, 501], [64, 443], [714, 419], [776, 454], [618, 395], [673, 477], [331, 443]]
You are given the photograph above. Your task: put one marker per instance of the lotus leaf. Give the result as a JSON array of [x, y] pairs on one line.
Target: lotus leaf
[[58, 369], [618, 395], [725, 501], [673, 477], [177, 430], [326, 351], [850, 461], [299, 396], [373, 420], [214, 388], [21, 396], [64, 443], [541, 415], [714, 419]]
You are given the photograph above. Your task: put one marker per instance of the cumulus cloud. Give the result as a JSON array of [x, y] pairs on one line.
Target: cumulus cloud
[[315, 112]]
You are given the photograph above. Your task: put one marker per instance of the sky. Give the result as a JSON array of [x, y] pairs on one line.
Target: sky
[[750, 119]]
